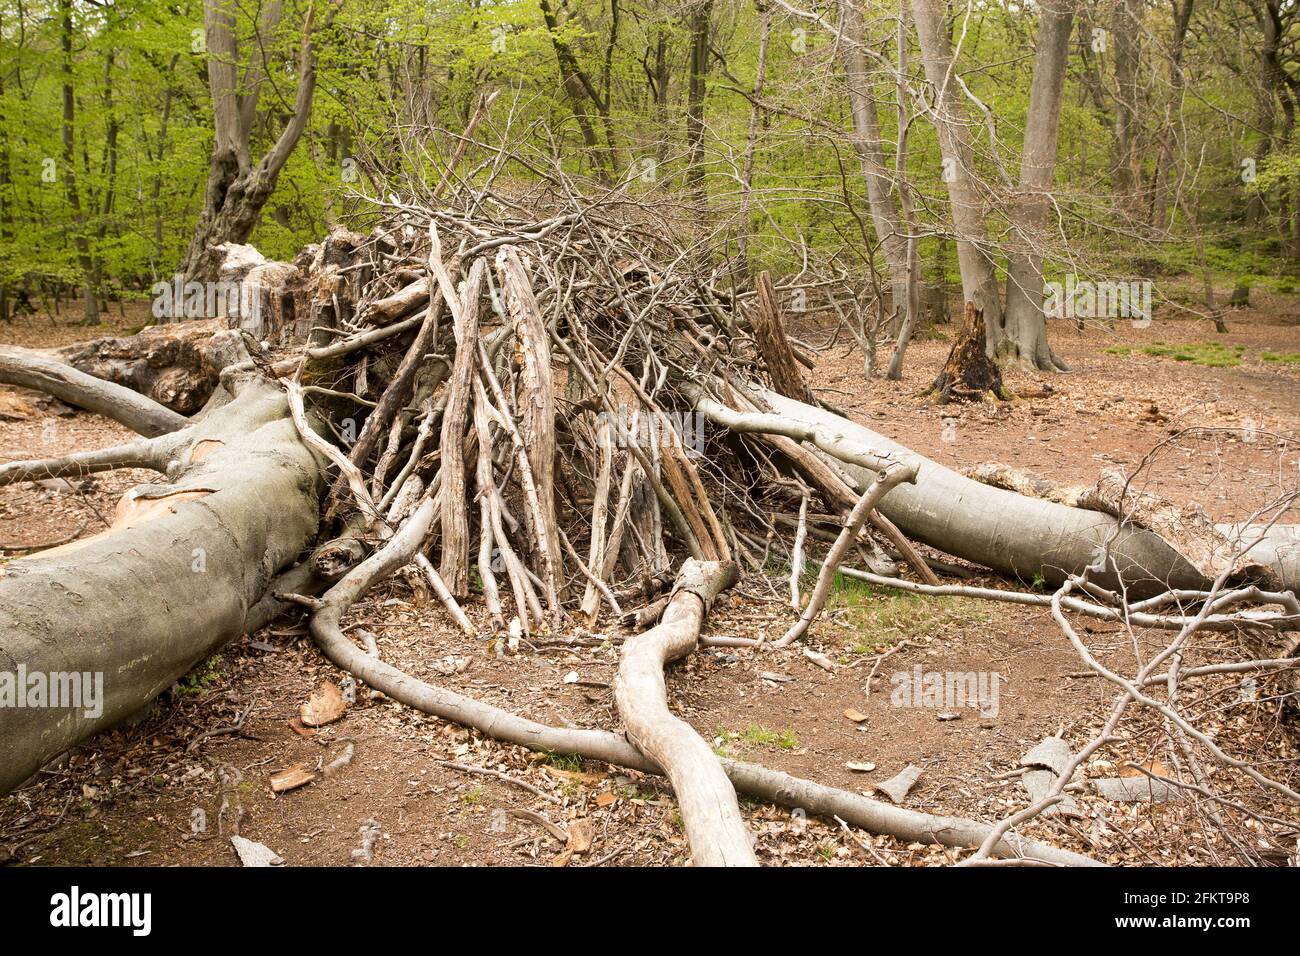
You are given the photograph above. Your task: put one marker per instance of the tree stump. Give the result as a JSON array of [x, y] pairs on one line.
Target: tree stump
[[969, 373], [778, 356]]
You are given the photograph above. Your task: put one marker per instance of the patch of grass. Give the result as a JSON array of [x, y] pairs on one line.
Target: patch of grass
[[885, 616], [1286, 358], [202, 678], [1207, 354], [1118, 350], [471, 797], [755, 735], [566, 762]]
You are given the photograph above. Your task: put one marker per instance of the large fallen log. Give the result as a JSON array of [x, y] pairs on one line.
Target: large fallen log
[[119, 616], [1023, 537]]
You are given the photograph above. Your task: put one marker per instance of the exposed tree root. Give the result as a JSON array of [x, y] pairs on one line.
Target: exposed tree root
[[612, 748], [716, 831]]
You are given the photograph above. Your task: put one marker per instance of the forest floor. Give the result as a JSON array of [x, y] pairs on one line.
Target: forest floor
[[170, 788]]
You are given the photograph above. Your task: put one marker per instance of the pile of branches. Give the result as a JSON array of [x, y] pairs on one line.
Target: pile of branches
[[565, 409]]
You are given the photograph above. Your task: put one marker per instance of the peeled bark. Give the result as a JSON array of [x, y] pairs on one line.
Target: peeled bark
[[185, 569]]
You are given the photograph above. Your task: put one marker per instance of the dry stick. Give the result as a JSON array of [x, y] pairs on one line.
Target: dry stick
[[526, 602], [891, 476], [1170, 622], [349, 473], [151, 453], [484, 103], [834, 487], [395, 396], [796, 556], [756, 781], [832, 442], [444, 594], [599, 515], [455, 519], [538, 415], [714, 826], [504, 777], [592, 581]]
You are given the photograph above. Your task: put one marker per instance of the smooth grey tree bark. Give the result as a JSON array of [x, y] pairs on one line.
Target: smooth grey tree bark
[[948, 113], [1023, 336], [891, 230], [186, 569]]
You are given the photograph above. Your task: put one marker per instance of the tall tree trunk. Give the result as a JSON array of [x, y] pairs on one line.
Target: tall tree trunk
[[891, 232], [701, 22], [1177, 82], [1024, 329], [978, 277], [751, 141], [1127, 27], [237, 190], [80, 240]]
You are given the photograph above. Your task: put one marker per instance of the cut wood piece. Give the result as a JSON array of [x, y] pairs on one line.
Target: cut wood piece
[[898, 787], [770, 339], [714, 826], [1051, 753], [252, 853]]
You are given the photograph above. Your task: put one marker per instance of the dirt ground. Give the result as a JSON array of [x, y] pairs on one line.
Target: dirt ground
[[196, 767]]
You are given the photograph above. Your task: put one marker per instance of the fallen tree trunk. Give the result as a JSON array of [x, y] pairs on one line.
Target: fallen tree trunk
[[182, 571], [137, 412], [1016, 535]]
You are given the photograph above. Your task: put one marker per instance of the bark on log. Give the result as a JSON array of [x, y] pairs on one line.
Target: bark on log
[[137, 412], [183, 573]]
